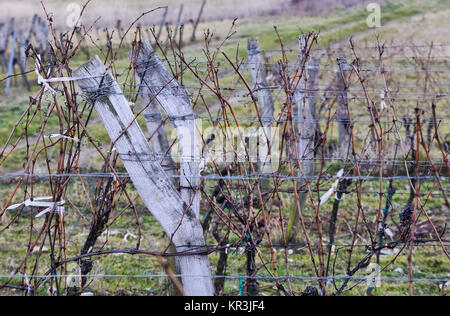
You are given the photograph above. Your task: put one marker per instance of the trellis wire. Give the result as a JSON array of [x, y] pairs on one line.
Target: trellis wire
[[231, 277], [218, 177]]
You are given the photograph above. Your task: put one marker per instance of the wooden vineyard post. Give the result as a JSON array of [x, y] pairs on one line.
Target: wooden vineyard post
[[265, 102], [159, 90], [163, 22], [9, 32], [45, 33], [22, 60], [11, 62], [305, 128], [200, 13], [313, 87], [173, 98], [119, 28], [153, 118], [342, 111], [180, 14], [177, 217], [32, 29], [41, 38], [3, 47]]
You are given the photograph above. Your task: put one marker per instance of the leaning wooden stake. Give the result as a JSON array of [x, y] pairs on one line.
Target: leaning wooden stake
[[10, 31], [32, 28], [180, 14], [313, 82], [119, 28], [22, 60], [11, 62], [3, 47], [163, 22], [176, 217], [152, 113], [305, 132], [193, 37], [265, 102], [42, 38], [45, 32], [313, 87], [342, 111], [173, 98]]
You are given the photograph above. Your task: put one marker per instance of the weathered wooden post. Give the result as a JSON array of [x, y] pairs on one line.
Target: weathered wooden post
[[304, 124], [5, 33], [3, 47], [152, 113], [45, 33], [344, 142], [180, 13], [313, 87], [160, 88], [163, 22], [10, 31], [266, 109], [169, 37], [32, 29], [22, 60], [177, 218], [119, 28], [173, 98], [265, 102], [11, 62], [194, 31], [40, 38]]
